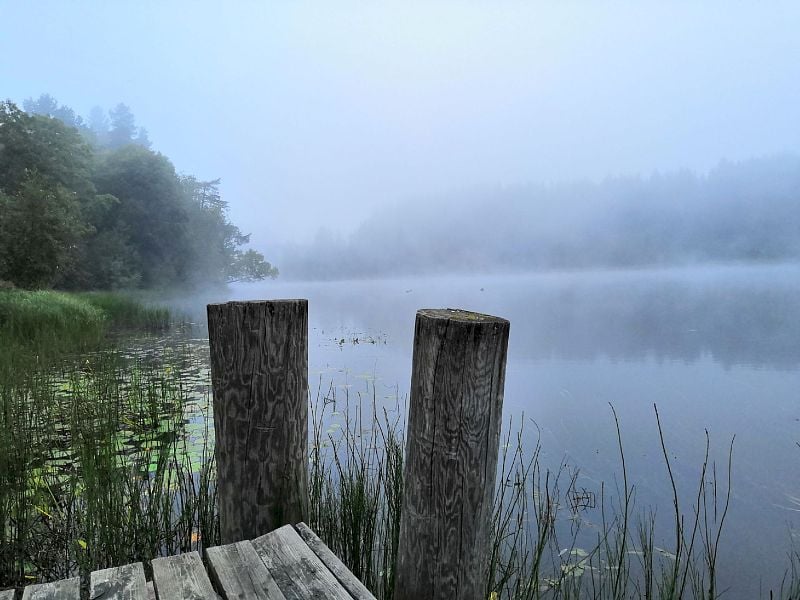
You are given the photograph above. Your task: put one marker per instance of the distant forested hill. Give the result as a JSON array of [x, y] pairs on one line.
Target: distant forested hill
[[739, 212]]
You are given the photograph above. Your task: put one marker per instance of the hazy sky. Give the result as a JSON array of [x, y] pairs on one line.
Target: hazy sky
[[316, 114]]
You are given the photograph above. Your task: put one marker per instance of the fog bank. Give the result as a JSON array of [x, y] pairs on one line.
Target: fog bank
[[739, 212]]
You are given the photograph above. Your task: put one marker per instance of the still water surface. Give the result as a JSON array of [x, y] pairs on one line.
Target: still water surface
[[716, 349]]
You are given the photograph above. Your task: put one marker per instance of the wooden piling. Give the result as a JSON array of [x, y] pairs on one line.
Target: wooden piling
[[259, 374], [452, 446]]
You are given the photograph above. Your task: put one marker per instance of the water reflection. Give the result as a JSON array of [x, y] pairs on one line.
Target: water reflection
[[736, 316]]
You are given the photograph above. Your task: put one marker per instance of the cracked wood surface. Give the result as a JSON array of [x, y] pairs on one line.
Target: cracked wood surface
[[291, 563], [182, 576], [259, 374], [66, 589], [119, 583], [240, 574], [299, 573], [453, 436], [349, 581]]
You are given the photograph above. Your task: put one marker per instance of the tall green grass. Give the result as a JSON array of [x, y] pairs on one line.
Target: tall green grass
[[96, 470], [125, 312], [531, 558], [356, 482], [47, 324], [51, 321]]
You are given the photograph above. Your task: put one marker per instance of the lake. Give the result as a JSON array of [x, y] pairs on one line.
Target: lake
[[717, 349]]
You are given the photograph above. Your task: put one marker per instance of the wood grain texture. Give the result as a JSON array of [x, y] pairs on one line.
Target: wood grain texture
[[455, 414], [182, 577], [259, 374], [119, 583], [299, 573], [7, 594], [349, 581], [240, 574], [66, 589]]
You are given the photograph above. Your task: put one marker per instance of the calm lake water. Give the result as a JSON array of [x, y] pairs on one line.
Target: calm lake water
[[716, 349]]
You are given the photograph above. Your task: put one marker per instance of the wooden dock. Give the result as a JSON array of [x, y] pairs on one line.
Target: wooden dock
[[290, 563]]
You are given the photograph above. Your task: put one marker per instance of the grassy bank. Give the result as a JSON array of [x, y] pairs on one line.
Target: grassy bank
[[46, 319], [123, 312], [54, 323]]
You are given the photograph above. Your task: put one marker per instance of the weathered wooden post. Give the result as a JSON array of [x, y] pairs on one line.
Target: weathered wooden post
[[453, 437], [259, 375]]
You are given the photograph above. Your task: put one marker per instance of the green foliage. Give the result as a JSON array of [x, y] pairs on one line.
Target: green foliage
[[40, 227], [89, 206], [356, 482], [48, 320], [250, 266], [36, 144], [216, 241], [151, 217]]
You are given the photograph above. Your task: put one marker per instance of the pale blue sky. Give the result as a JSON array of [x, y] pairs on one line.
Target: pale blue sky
[[316, 114]]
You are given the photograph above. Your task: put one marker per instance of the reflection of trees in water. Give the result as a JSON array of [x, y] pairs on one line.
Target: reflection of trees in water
[[732, 324]]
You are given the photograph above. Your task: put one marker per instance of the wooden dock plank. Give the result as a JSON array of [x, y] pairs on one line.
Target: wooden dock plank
[[66, 589], [240, 574], [349, 581], [119, 583], [299, 573], [182, 577]]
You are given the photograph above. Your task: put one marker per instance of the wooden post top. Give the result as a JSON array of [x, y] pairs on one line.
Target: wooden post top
[[460, 315], [245, 302]]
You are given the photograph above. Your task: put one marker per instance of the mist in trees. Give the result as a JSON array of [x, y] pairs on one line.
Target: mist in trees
[[743, 212], [87, 205]]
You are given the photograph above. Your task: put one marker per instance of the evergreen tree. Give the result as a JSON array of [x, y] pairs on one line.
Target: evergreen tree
[[123, 126], [98, 126]]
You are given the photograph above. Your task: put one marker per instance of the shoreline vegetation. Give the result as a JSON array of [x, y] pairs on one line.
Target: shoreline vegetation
[[106, 457]]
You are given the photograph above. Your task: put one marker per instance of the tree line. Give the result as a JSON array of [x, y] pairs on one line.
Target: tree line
[[86, 204], [738, 212]]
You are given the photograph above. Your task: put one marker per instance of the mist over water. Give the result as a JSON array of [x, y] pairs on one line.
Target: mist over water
[[714, 347], [737, 213]]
